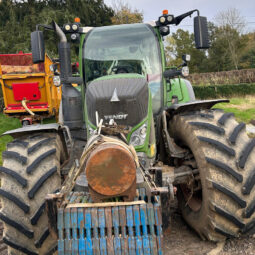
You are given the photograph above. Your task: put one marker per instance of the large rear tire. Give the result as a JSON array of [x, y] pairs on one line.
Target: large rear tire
[[224, 205], [30, 171]]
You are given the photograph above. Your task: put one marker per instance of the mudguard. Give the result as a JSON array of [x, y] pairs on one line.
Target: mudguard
[[33, 128], [62, 130], [194, 106]]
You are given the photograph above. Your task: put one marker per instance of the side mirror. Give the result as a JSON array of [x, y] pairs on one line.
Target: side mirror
[[201, 33], [37, 44]]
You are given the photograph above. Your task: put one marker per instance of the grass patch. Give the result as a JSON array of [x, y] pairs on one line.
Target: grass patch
[[243, 108], [5, 125]]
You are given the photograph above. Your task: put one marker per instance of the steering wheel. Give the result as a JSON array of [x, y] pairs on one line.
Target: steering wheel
[[123, 69]]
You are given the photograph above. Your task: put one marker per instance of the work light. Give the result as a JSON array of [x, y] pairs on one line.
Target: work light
[[67, 27]]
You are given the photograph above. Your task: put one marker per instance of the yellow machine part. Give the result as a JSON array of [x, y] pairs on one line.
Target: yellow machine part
[[48, 101]]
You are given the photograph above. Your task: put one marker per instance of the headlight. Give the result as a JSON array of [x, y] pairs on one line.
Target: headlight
[[185, 71], [56, 81], [74, 27], [138, 136]]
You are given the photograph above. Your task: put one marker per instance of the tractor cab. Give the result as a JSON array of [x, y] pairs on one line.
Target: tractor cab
[[125, 49]]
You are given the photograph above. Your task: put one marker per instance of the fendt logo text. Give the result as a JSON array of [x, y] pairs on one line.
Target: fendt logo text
[[119, 116]]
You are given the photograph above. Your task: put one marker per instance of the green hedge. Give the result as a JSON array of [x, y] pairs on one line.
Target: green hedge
[[219, 91]]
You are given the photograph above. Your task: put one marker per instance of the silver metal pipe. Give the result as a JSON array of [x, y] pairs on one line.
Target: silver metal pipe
[[60, 33]]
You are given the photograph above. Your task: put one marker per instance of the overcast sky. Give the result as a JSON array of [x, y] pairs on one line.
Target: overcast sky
[[153, 8]]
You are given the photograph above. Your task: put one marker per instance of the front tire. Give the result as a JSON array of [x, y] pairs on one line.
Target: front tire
[[224, 206], [30, 171]]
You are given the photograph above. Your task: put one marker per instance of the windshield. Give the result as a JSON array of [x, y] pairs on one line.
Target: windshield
[[124, 49]]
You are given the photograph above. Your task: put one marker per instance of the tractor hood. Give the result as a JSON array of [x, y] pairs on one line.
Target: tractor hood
[[123, 98]]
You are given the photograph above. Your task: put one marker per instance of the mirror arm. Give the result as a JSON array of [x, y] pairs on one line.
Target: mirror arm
[[48, 27], [54, 27], [184, 63], [178, 19], [168, 74]]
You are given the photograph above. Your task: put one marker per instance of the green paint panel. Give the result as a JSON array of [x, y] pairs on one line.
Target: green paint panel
[[177, 88]]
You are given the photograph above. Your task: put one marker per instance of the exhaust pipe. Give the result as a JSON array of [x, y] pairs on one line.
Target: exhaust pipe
[[64, 55], [71, 97]]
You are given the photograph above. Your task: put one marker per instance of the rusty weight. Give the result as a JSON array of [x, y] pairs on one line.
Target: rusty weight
[[111, 172]]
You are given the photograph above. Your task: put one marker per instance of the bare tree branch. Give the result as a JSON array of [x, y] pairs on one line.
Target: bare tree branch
[[232, 18]]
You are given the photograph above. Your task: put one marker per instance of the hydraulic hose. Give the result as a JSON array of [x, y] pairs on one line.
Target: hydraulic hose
[[24, 104]]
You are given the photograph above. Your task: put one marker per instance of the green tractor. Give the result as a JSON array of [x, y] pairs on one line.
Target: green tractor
[[131, 137]]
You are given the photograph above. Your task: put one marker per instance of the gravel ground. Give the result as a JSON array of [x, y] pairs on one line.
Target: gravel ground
[[179, 239]]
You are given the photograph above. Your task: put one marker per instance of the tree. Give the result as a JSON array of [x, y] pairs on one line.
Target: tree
[[124, 14], [247, 59], [180, 43], [230, 26], [218, 56], [19, 18]]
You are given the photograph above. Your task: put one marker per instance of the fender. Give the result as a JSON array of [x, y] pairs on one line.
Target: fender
[[193, 106], [62, 130]]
